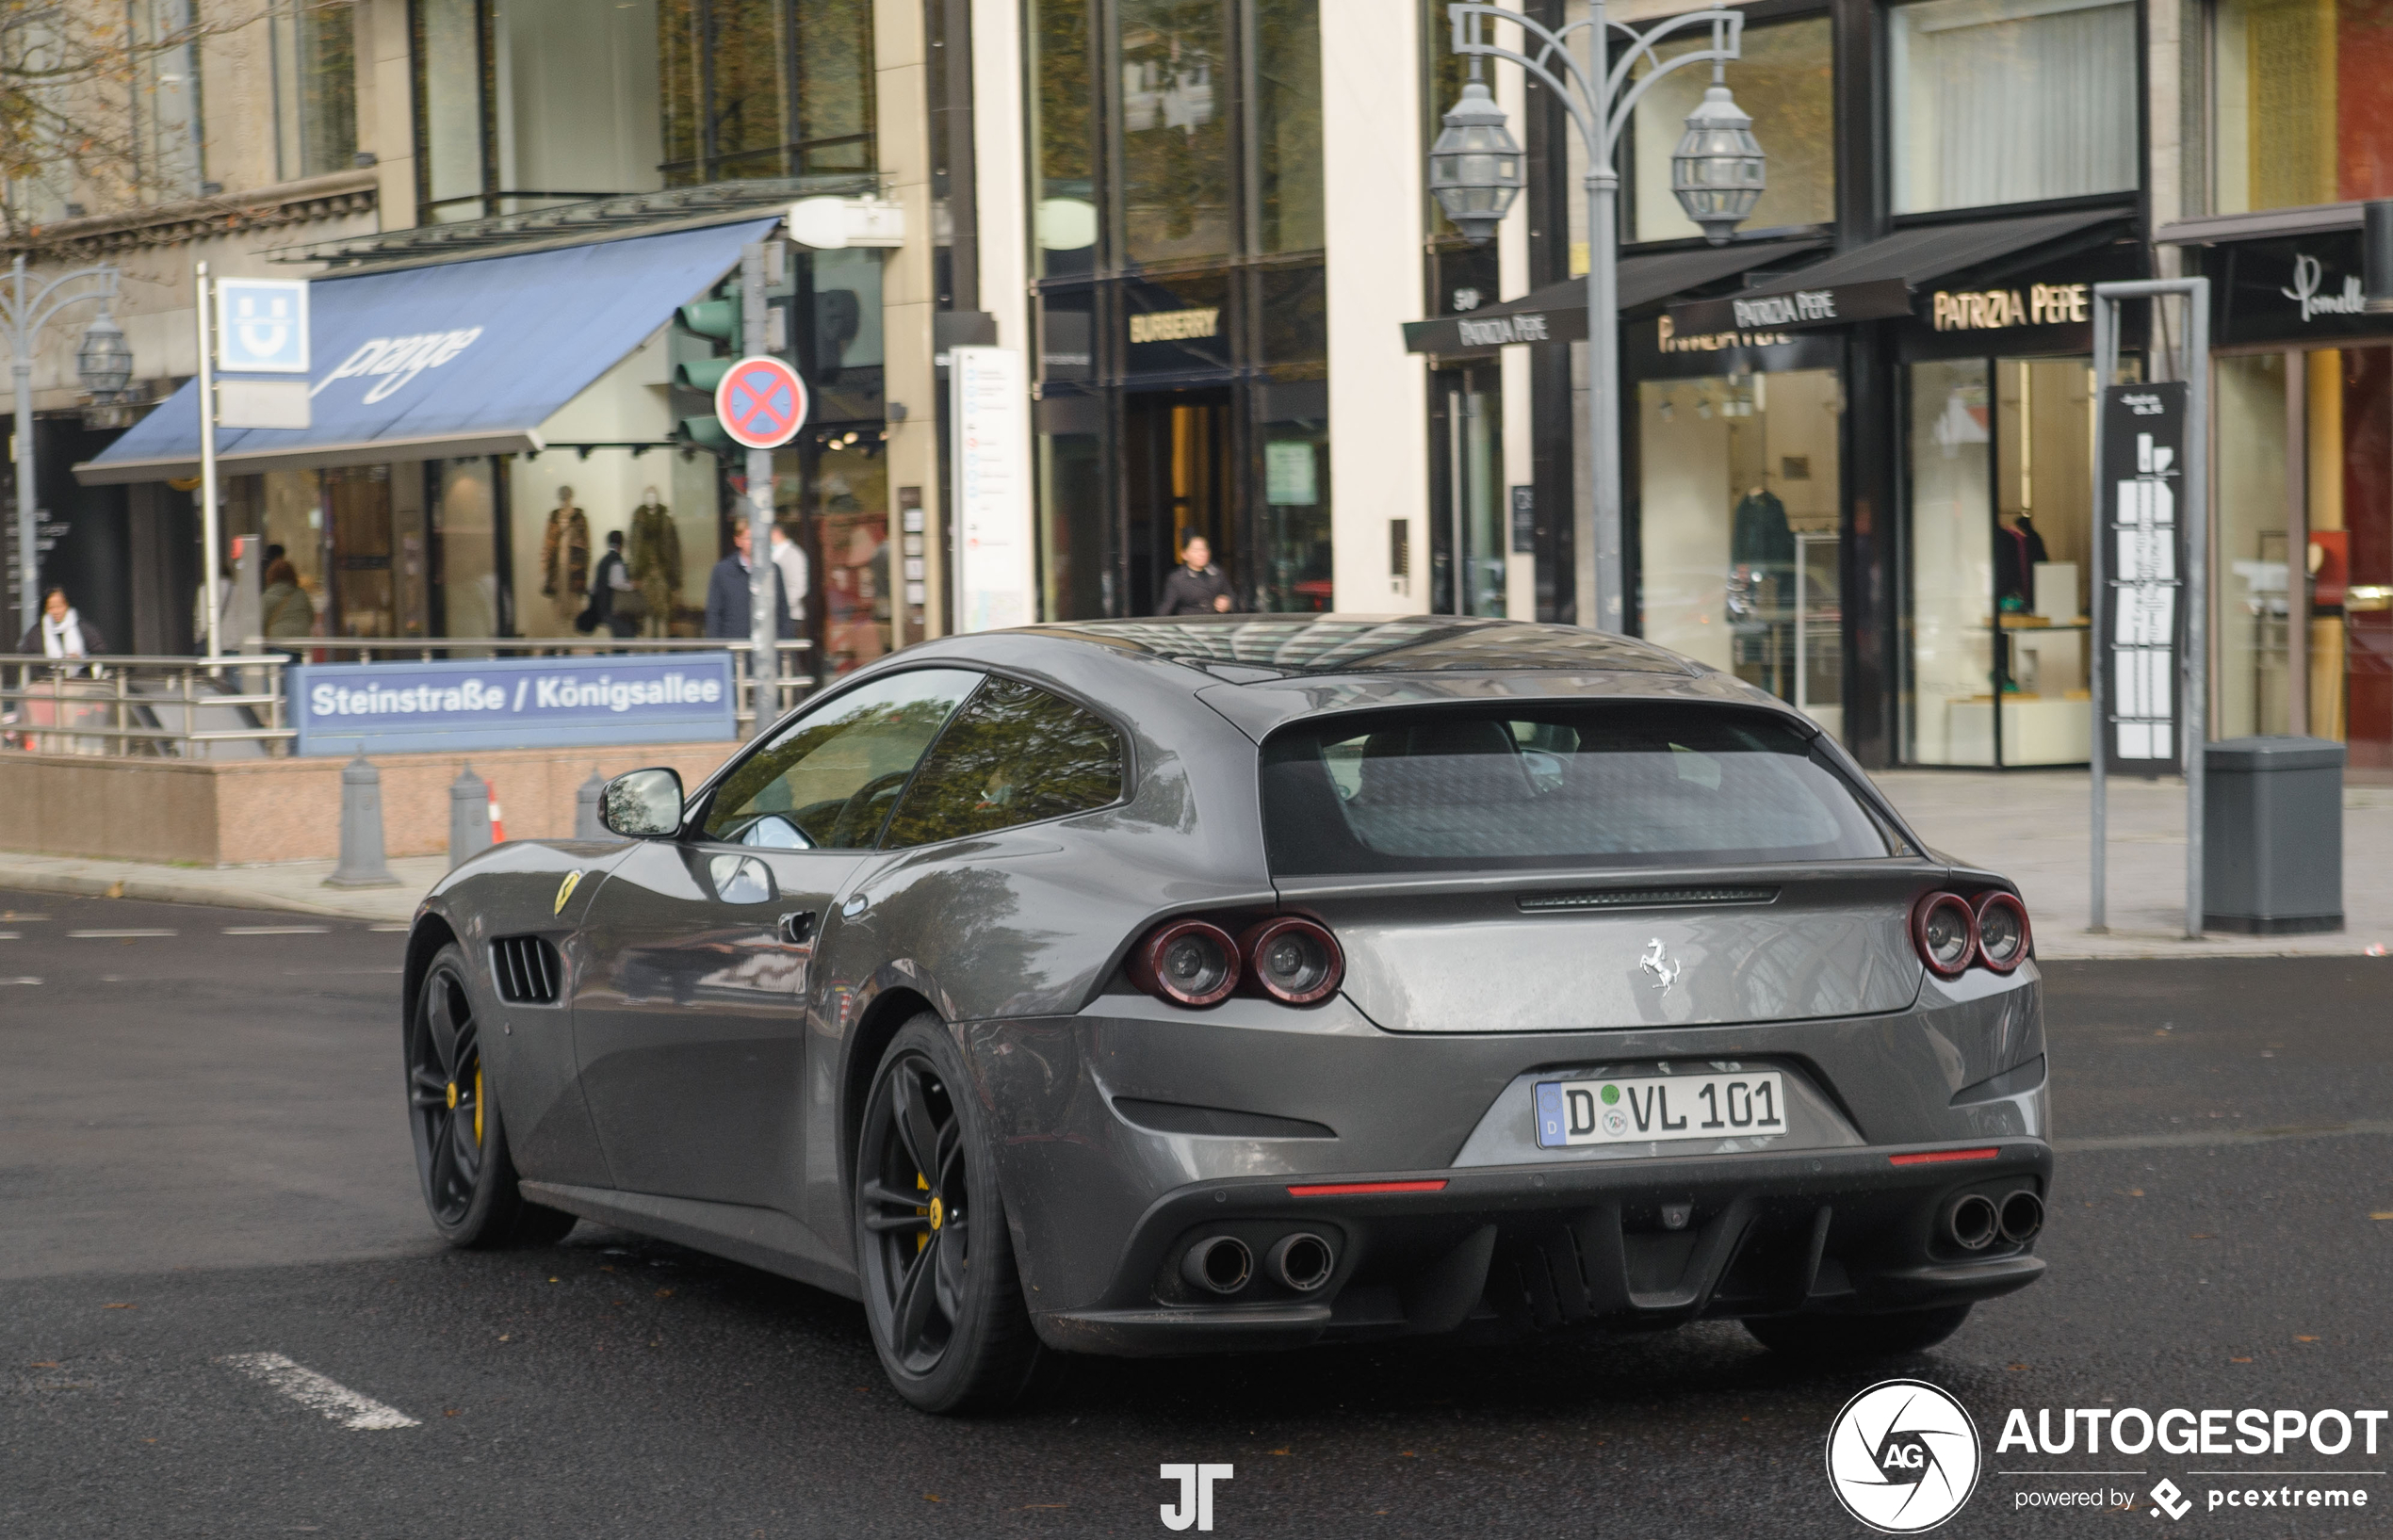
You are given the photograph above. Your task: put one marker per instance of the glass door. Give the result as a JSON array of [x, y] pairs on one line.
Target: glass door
[[1467, 427], [2001, 514]]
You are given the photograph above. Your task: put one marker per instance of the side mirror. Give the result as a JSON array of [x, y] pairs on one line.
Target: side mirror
[[642, 804]]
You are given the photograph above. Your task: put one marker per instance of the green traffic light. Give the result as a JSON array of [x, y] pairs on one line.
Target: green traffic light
[[716, 318], [701, 373], [706, 433]]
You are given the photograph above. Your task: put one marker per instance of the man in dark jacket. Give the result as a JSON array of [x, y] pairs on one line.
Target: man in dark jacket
[[728, 614], [1197, 587]]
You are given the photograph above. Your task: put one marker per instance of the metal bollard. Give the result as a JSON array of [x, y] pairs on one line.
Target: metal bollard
[[361, 863], [468, 816], [586, 824]]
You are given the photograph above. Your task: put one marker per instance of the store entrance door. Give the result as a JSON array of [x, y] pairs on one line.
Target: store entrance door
[[357, 500], [1176, 459]]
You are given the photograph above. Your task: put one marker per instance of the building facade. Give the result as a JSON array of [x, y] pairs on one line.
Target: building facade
[[1856, 435]]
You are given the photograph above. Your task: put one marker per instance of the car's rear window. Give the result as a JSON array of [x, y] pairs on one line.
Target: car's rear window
[[1630, 784]]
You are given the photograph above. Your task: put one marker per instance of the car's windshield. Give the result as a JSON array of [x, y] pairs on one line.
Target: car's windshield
[[1634, 784]]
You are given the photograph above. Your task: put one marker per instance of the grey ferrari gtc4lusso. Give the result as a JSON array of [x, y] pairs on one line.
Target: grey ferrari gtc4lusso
[[1231, 984]]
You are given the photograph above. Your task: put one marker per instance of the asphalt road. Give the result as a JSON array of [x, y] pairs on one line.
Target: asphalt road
[[202, 1157]]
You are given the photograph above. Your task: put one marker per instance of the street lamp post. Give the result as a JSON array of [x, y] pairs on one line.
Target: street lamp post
[[23, 312], [1716, 172]]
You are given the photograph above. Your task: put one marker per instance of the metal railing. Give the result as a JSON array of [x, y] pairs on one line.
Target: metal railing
[[788, 687], [121, 706], [237, 705]]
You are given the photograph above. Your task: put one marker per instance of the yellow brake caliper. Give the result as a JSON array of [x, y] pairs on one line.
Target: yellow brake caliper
[[923, 1184]]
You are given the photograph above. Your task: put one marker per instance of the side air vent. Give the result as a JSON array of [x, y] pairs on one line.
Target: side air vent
[[1647, 897], [526, 968]]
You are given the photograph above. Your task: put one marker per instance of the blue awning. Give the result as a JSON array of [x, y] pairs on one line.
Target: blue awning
[[466, 358]]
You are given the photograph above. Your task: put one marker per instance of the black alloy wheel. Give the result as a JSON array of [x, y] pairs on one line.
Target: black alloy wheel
[[939, 1282], [462, 1159], [445, 1094]]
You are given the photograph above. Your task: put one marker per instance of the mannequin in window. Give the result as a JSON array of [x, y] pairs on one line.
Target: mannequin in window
[[2017, 550], [654, 558], [564, 556], [1761, 560]]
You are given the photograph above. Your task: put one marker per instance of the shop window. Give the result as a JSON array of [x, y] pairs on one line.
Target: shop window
[[845, 512], [2251, 611], [357, 500], [1063, 132], [315, 77], [2302, 94], [1073, 575], [1288, 125], [1786, 80], [765, 87], [2000, 588], [1738, 527], [1472, 540], [1296, 534], [2010, 101], [465, 527], [1175, 116]]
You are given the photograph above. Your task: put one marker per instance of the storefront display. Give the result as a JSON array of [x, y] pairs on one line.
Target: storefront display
[[1738, 528]]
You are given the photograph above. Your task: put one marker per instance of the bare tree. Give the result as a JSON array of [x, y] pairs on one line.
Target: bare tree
[[84, 85]]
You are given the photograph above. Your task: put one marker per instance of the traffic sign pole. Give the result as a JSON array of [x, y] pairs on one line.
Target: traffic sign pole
[[764, 618], [210, 563]]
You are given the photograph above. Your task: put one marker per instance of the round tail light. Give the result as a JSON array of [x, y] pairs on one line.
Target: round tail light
[[1944, 930], [2002, 932], [1294, 961], [1187, 962]]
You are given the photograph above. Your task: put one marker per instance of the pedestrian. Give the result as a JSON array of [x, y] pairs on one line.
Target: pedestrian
[[728, 615], [285, 608], [1197, 587], [61, 632], [789, 557], [613, 601]]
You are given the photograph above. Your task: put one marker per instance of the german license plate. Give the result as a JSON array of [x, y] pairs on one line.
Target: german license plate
[[1663, 1107]]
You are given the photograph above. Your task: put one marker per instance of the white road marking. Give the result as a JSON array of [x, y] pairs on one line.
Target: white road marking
[[276, 930], [113, 935], [13, 917], [19, 981], [312, 1390], [2202, 1138], [11, 935], [390, 926]]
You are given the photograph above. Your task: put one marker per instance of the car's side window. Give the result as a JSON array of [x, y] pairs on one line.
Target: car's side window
[[1015, 754], [827, 780]]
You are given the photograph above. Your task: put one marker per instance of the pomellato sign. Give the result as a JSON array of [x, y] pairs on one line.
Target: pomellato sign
[[2291, 289]]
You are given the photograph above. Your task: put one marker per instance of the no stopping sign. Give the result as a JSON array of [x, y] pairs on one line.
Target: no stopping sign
[[761, 403]]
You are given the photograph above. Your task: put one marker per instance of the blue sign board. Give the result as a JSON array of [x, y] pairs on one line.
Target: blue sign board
[[262, 325], [513, 703]]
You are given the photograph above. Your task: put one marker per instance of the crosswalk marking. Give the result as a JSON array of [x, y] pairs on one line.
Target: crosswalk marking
[[336, 1401]]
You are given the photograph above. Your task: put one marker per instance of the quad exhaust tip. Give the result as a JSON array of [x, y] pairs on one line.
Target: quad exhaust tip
[[1219, 1263], [1303, 1261], [2023, 1215], [1973, 1222]]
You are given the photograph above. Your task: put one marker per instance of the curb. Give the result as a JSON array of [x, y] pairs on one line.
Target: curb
[[169, 890]]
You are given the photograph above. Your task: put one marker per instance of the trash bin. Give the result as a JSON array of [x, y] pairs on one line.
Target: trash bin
[[2273, 835]]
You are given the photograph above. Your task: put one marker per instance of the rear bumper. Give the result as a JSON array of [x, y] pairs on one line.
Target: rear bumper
[[1126, 1131], [1528, 1248]]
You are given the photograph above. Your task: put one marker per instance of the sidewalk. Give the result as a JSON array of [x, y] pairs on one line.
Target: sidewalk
[[2030, 826], [293, 886]]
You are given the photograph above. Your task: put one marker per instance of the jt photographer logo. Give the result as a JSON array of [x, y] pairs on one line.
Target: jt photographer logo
[[1195, 1505], [1902, 1456]]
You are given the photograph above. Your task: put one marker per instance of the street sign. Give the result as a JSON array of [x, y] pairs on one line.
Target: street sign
[[261, 325], [262, 404], [2140, 623], [762, 402], [505, 702]]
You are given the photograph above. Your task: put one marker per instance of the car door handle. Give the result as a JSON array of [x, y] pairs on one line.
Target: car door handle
[[797, 928]]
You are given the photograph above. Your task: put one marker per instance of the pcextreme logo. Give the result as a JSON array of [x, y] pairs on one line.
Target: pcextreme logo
[[1903, 1456], [1195, 1495]]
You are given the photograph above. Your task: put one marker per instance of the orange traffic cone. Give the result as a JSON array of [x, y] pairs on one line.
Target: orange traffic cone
[[497, 819]]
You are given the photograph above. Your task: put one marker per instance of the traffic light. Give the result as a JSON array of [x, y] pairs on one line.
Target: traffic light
[[706, 338]]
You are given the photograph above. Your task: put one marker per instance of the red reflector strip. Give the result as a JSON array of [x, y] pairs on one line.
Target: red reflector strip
[[1340, 1189], [1937, 1157]]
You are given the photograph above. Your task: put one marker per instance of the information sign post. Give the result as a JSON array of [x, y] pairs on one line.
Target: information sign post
[[2150, 680]]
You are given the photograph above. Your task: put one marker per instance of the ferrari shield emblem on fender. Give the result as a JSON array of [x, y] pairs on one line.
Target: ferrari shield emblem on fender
[[1664, 972], [566, 890]]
